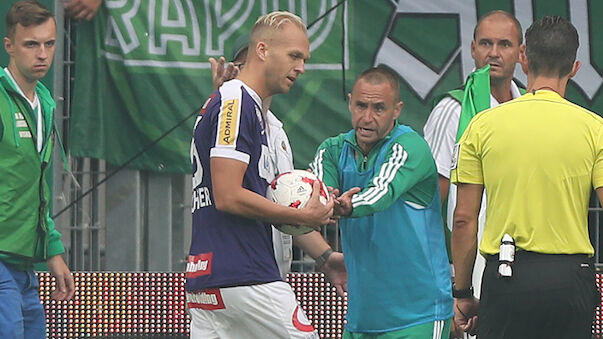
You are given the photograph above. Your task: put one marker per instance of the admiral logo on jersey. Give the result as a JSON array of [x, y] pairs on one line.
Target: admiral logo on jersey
[[228, 121]]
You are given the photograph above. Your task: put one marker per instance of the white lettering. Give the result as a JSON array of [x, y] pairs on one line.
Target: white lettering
[[200, 265], [202, 298], [201, 198], [422, 78], [186, 20]]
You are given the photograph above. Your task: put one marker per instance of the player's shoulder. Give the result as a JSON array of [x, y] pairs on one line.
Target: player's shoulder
[[231, 89]]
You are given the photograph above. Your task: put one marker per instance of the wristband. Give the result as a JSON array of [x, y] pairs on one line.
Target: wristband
[[462, 294], [322, 259]]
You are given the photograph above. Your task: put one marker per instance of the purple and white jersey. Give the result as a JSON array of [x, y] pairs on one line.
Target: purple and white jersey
[[227, 249]]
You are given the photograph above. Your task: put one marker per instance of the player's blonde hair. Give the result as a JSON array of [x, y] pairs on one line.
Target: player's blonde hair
[[275, 20], [266, 25]]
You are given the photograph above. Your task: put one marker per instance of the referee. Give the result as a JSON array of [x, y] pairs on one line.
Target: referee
[[538, 157]]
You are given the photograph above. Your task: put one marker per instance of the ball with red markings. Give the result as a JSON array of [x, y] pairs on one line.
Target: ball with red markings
[[294, 189]]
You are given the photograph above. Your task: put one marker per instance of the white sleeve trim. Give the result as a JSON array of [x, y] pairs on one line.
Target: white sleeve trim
[[440, 133], [316, 164], [381, 182], [220, 152]]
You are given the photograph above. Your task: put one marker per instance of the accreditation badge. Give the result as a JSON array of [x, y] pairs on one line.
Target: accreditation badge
[[455, 156]]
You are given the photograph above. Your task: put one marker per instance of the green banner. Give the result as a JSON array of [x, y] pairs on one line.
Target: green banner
[[142, 66]]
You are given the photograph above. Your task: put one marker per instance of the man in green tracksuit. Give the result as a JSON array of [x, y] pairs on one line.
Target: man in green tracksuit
[[27, 233], [391, 226]]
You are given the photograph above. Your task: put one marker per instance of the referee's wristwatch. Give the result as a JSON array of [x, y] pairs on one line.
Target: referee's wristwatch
[[465, 293]]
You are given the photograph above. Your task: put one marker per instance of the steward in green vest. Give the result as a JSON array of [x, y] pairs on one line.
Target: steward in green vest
[[27, 232]]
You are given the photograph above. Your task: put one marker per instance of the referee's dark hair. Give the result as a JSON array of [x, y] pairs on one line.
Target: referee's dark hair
[[551, 45]]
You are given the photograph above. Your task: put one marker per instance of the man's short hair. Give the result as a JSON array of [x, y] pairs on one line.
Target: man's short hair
[[379, 75], [505, 14], [26, 13], [275, 21], [551, 46]]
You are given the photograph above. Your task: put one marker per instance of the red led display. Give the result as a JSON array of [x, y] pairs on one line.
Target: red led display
[[152, 305]]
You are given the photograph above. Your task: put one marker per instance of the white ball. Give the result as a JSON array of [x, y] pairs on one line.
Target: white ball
[[294, 189]]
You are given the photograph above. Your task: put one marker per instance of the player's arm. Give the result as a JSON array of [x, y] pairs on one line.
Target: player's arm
[[230, 196], [315, 245], [410, 159], [440, 133]]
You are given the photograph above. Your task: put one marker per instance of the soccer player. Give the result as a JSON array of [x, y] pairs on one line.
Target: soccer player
[[391, 226], [280, 154], [538, 157], [27, 232], [496, 41], [234, 289]]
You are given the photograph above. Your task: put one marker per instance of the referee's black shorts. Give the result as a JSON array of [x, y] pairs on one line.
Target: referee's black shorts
[[548, 296]]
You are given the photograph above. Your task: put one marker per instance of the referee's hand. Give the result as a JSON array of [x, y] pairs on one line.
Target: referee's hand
[[465, 314]]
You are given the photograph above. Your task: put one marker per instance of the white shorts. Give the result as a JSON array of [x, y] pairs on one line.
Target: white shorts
[[263, 311]]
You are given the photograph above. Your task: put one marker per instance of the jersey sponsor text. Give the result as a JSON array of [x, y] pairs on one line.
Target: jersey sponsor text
[[199, 265], [210, 299], [228, 122]]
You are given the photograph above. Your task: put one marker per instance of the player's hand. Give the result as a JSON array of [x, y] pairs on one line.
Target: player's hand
[[82, 9], [465, 314], [64, 280], [334, 269], [222, 71], [315, 213], [344, 202]]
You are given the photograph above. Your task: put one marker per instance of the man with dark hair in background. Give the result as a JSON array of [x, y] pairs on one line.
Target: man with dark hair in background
[[538, 157], [27, 232], [497, 38]]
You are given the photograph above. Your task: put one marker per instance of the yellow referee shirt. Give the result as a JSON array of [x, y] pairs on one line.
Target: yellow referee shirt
[[538, 157]]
